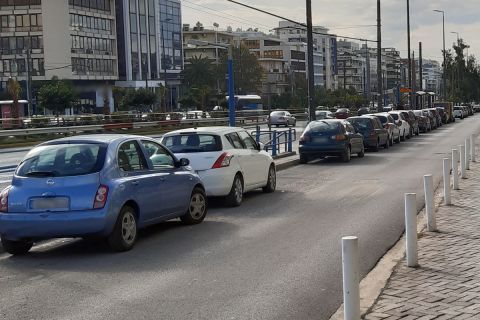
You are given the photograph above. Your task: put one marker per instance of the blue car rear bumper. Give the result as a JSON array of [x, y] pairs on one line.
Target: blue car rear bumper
[[45, 225]]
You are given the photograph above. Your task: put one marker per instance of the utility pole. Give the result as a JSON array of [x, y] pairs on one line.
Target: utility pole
[[344, 83], [164, 65], [444, 57], [379, 58], [414, 82], [231, 88], [311, 80], [409, 56], [420, 65]]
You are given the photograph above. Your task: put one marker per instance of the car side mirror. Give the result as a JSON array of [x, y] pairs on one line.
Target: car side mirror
[[183, 162], [261, 146]]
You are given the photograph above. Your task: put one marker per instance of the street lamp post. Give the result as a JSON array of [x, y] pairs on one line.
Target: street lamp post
[[458, 64], [410, 100], [444, 57]]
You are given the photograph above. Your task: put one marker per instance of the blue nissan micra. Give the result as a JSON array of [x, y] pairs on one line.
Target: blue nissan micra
[[99, 185]]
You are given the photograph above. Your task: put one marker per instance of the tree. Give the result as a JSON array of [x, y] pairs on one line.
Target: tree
[[14, 91], [248, 72], [136, 99], [57, 95], [198, 71]]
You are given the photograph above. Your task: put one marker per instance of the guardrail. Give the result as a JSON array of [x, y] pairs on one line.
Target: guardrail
[[276, 141]]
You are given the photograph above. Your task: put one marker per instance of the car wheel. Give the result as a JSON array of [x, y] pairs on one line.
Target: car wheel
[[347, 155], [235, 197], [361, 154], [303, 158], [403, 138], [272, 180], [20, 247], [197, 208], [124, 232]]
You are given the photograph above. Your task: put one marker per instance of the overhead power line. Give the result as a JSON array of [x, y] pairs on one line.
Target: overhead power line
[[302, 25]]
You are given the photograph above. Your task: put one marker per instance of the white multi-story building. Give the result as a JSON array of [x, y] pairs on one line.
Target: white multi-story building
[[324, 50], [74, 40], [432, 76]]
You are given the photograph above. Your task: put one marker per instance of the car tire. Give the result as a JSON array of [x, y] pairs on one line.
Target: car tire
[[303, 159], [124, 234], [403, 138], [16, 248], [235, 197], [361, 154], [347, 155], [272, 180], [197, 208]]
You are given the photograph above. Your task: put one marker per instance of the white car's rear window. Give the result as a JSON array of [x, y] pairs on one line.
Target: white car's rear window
[[193, 143]]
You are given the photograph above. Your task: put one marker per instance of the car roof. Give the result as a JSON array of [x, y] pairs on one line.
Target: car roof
[[94, 138], [205, 130]]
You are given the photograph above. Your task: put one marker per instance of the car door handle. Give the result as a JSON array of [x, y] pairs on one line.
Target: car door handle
[[135, 183]]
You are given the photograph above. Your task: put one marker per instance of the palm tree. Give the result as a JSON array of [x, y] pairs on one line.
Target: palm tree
[[198, 72], [14, 91]]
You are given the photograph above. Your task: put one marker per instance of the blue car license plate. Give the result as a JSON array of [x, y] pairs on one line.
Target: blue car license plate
[[56, 203]]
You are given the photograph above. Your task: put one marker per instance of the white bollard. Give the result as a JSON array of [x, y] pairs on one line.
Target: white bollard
[[463, 163], [411, 229], [467, 154], [351, 278], [447, 195], [429, 204], [472, 146], [455, 159]]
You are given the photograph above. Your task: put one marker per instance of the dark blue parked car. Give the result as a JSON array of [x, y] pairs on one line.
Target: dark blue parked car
[[101, 185], [374, 134], [330, 138]]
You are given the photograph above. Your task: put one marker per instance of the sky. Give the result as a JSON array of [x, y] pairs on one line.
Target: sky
[[355, 18]]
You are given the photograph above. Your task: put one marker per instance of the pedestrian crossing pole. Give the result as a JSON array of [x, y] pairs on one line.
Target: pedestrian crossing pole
[[455, 159]]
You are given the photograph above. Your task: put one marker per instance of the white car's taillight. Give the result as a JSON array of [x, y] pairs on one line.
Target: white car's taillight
[[4, 201], [223, 161], [100, 197]]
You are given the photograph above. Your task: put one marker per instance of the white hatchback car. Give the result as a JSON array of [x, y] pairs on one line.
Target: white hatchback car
[[228, 160]]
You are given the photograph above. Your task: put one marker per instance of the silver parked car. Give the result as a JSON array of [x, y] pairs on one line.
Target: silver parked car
[[281, 118]]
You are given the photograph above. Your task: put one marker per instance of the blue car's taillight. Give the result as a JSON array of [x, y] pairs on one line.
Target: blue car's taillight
[[4, 201], [100, 197]]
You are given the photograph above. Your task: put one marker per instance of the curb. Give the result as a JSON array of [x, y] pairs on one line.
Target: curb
[[287, 164]]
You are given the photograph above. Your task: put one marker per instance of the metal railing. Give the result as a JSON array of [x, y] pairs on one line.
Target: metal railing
[[276, 141]]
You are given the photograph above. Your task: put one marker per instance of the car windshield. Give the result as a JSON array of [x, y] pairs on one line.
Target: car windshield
[[361, 124], [193, 143], [278, 113], [319, 126], [62, 160]]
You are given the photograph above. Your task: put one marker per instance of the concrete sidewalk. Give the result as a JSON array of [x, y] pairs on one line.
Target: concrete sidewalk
[[446, 285]]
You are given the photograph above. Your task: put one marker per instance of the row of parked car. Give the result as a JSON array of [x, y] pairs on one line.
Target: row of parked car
[[110, 186], [340, 134]]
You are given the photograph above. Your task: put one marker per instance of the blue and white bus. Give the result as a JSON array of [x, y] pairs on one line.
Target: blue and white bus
[[248, 103]]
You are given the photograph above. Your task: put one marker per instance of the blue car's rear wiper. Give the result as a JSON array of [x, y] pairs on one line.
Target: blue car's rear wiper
[[41, 174]]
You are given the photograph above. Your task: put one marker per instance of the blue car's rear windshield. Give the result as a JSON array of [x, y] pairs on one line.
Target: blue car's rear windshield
[[63, 160], [193, 143]]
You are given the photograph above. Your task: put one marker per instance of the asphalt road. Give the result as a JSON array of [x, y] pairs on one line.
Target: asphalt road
[[278, 256]]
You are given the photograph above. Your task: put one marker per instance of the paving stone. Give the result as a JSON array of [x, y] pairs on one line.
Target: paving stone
[[447, 283]]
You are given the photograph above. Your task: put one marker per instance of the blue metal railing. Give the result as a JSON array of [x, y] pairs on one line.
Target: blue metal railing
[[276, 141]]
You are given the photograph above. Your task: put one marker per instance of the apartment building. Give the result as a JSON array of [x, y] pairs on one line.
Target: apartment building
[[351, 66]]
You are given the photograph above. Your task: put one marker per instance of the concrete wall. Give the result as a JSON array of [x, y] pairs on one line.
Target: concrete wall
[[56, 38]]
